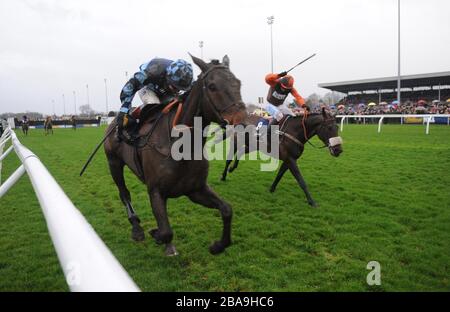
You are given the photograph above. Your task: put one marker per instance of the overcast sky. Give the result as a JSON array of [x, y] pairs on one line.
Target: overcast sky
[[53, 47]]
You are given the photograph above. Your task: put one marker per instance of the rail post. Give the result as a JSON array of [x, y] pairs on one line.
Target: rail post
[[380, 123]]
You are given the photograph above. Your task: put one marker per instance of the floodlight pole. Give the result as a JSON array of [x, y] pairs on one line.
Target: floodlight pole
[[64, 104], [106, 97], [75, 102], [398, 77], [270, 20], [200, 44], [87, 100]]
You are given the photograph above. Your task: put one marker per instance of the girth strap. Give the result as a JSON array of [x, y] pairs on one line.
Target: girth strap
[[289, 137]]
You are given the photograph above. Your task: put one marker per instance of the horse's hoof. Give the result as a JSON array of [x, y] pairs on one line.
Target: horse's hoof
[[171, 251], [217, 248], [137, 234], [154, 233], [223, 179], [272, 189], [313, 204]]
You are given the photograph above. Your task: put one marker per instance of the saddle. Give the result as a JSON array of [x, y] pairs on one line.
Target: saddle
[[131, 133], [150, 118]]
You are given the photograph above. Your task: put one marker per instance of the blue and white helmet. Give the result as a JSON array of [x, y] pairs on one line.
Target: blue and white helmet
[[179, 74]]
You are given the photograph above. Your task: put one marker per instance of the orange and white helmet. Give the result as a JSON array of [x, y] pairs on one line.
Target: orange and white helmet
[[287, 82]]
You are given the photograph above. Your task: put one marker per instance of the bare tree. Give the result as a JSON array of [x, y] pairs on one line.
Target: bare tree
[[86, 110]]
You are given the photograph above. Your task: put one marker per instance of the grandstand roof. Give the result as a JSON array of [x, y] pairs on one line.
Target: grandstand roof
[[409, 81]]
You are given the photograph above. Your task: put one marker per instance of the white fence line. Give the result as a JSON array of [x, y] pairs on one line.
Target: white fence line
[[87, 263], [427, 117]]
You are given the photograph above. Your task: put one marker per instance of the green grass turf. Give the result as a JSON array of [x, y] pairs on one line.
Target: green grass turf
[[386, 198]]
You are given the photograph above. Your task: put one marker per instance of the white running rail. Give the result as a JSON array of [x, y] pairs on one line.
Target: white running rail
[[426, 119], [87, 263]]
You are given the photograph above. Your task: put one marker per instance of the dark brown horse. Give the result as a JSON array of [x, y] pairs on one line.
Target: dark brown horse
[[48, 125], [215, 97], [25, 126], [294, 133], [73, 121]]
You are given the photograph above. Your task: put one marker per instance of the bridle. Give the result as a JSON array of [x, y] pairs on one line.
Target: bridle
[[202, 77], [331, 141]]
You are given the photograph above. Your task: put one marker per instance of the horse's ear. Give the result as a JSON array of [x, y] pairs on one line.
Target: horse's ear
[[226, 61], [199, 62], [324, 112]]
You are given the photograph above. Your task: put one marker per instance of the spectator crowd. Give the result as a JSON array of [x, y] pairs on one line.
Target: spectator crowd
[[408, 107]]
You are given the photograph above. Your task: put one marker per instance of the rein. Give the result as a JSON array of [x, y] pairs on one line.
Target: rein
[[178, 114], [304, 131], [202, 77], [222, 121], [298, 142]]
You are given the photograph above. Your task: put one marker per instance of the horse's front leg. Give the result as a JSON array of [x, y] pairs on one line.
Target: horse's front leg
[[208, 198], [241, 152], [280, 174], [225, 170], [292, 164], [230, 156], [116, 168], [163, 234]]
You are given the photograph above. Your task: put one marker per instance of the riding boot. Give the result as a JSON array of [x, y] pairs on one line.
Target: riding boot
[[133, 127]]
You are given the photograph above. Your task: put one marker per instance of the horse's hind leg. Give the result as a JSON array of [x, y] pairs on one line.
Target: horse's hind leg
[[225, 171], [280, 174], [230, 156], [116, 167], [298, 176], [163, 234], [208, 198], [244, 150]]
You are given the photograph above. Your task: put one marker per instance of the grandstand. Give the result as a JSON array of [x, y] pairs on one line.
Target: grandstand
[[427, 87]]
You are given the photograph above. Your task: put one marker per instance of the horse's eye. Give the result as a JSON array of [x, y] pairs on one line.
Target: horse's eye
[[212, 87]]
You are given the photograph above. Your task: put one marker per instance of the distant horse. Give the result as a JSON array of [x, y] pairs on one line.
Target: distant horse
[[48, 125], [214, 97], [295, 132], [25, 127]]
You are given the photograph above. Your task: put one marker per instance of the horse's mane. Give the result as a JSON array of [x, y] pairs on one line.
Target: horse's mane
[[307, 116], [313, 114]]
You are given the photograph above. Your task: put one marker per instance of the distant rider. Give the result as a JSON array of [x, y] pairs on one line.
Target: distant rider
[[281, 85], [156, 81]]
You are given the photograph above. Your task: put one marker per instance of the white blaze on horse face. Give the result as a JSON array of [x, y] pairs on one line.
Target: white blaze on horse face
[[335, 141]]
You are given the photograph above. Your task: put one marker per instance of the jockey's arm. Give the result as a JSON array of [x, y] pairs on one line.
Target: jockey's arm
[[298, 99], [272, 79], [131, 87]]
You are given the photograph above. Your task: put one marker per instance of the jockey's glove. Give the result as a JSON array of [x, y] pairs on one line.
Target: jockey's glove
[[282, 74], [122, 119], [183, 96]]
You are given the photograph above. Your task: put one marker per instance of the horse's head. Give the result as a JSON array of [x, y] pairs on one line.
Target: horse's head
[[220, 93], [328, 133]]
